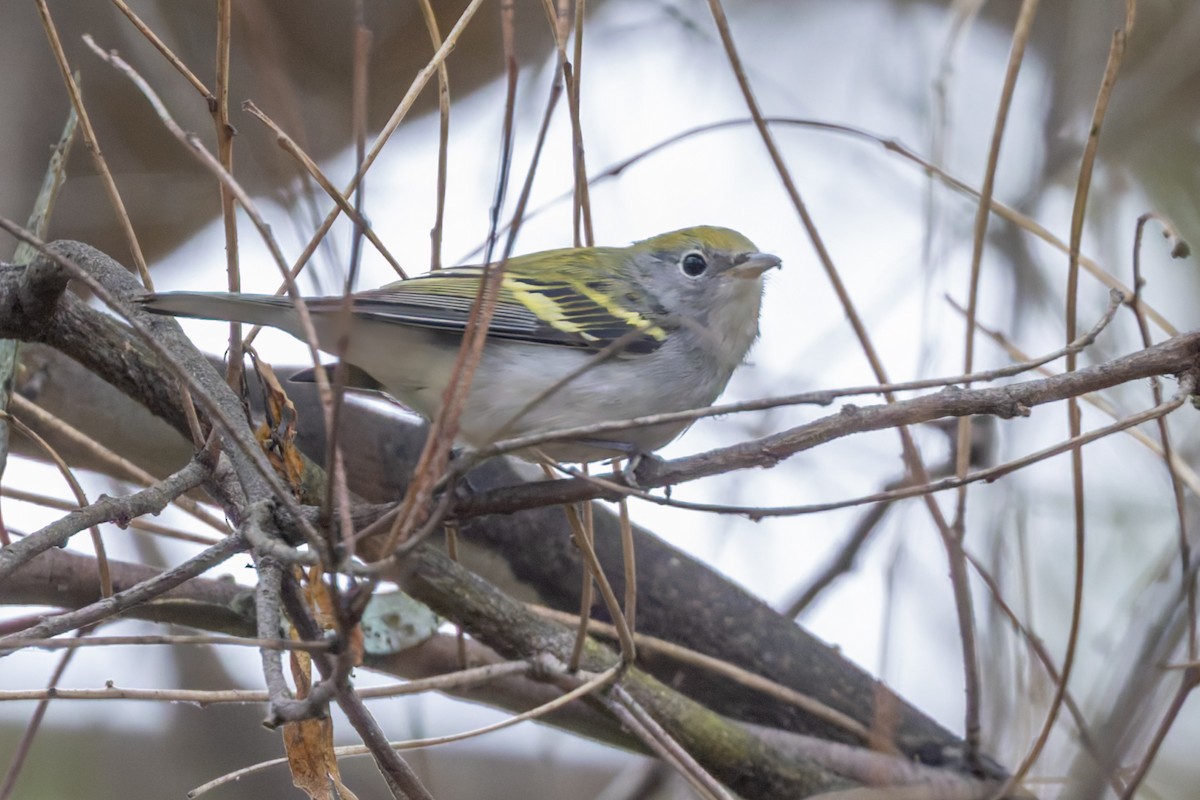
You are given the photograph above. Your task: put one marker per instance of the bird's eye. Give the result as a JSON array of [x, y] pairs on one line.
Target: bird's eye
[[693, 265]]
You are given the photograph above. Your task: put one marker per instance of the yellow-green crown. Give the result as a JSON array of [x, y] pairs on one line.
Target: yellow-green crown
[[708, 237]]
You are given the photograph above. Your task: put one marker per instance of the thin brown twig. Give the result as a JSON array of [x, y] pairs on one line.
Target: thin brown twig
[[659, 740], [161, 46], [909, 489], [594, 570], [1186, 474], [21, 751], [401, 111], [435, 234], [1187, 684], [360, 89], [823, 397], [1164, 434], [431, 464], [249, 461], [283, 705], [197, 149], [219, 106], [161, 639], [293, 149], [581, 530], [64, 469], [1169, 357], [140, 524], [206, 159], [1191, 677], [207, 697], [93, 146], [1020, 38], [890, 145], [400, 778], [843, 561], [414, 509], [120, 466], [56, 534], [581, 214], [1159, 631], [911, 455], [962, 20], [336, 502], [135, 595], [460, 637], [38, 222], [1112, 67], [629, 558], [966, 622], [336, 467], [582, 192], [665, 756], [751, 680], [1038, 648], [583, 690]]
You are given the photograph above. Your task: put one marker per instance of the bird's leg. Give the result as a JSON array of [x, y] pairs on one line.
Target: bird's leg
[[636, 463], [463, 488], [634, 457]]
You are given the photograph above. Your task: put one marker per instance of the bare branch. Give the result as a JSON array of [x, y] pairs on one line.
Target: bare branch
[[151, 500]]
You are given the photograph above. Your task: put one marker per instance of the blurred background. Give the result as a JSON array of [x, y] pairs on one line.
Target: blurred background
[[924, 74]]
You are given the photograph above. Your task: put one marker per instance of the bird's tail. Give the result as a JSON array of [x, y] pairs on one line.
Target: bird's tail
[[256, 309]]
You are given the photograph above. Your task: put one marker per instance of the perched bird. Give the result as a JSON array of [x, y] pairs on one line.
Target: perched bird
[[677, 311]]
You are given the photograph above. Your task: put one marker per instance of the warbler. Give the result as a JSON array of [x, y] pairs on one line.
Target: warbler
[[579, 336]]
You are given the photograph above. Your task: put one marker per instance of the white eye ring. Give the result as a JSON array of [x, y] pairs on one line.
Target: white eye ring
[[693, 264]]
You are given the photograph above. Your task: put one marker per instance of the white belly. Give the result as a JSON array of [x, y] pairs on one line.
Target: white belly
[[506, 383]]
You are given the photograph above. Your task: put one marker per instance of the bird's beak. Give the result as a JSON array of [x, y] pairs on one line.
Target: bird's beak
[[752, 265]]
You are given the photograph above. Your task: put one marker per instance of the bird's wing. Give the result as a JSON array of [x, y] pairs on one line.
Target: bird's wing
[[572, 308]]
